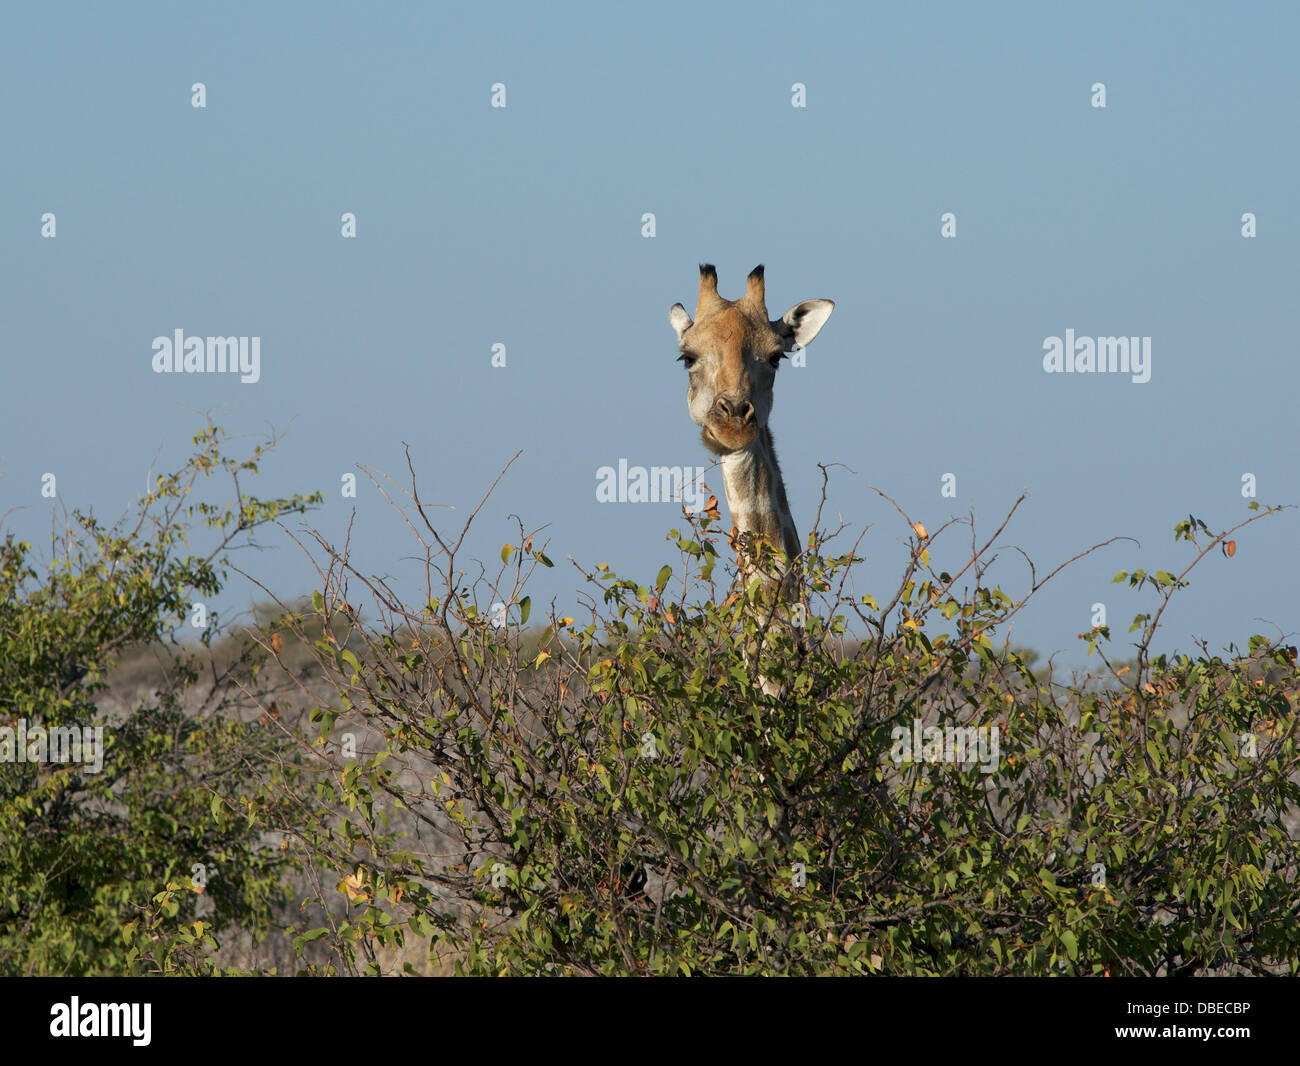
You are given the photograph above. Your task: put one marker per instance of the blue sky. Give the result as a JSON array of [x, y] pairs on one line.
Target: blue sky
[[522, 226]]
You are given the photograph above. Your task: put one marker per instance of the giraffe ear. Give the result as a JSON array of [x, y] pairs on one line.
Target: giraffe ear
[[803, 322], [679, 320]]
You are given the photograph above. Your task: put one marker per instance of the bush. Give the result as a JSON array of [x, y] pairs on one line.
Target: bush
[[620, 797], [103, 872]]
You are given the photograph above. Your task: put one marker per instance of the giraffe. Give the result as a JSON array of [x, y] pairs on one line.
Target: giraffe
[[731, 351]]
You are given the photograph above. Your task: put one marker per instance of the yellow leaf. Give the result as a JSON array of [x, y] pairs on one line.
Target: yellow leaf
[[353, 886]]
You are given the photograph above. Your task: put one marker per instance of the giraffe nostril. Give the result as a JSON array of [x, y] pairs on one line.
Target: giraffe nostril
[[737, 410]]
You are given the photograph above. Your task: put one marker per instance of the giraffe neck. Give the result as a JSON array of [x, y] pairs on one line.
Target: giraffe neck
[[756, 494], [756, 499]]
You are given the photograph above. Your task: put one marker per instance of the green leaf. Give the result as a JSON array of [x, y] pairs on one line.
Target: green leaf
[[663, 577], [1071, 943], [525, 605]]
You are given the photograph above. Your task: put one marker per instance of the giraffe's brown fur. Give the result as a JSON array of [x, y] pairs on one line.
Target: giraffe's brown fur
[[732, 351]]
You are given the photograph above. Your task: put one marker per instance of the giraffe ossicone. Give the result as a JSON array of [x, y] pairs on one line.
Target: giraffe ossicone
[[731, 350]]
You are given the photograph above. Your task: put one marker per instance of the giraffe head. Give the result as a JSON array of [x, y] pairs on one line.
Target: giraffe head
[[731, 351]]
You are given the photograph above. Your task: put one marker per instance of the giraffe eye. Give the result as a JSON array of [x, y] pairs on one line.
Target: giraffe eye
[[688, 358]]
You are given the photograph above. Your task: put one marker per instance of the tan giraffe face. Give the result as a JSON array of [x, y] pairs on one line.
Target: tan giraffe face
[[731, 351]]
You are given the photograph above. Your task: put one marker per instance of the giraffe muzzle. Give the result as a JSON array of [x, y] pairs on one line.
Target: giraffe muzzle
[[731, 425]]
